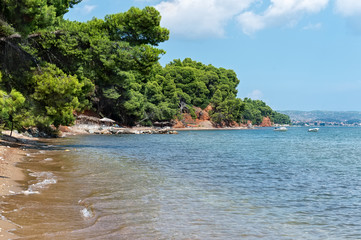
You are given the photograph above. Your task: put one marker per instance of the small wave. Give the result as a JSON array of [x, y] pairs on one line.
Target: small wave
[[43, 184], [48, 159], [44, 179], [42, 175], [29, 192]]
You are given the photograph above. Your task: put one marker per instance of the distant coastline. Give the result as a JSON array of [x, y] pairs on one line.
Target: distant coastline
[[324, 118]]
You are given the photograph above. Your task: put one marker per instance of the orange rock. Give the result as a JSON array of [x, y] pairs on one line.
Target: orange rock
[[197, 110], [178, 124], [203, 115], [187, 119], [208, 108], [266, 122], [235, 124]]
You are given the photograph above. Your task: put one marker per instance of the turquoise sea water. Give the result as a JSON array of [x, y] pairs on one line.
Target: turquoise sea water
[[229, 184]]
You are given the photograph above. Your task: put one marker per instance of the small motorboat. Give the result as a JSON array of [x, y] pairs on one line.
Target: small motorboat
[[313, 129], [281, 129]]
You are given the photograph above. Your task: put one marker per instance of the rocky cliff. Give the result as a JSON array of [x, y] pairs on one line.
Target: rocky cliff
[[266, 122]]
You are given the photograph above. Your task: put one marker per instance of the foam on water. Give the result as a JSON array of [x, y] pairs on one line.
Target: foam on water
[[87, 213], [43, 180]]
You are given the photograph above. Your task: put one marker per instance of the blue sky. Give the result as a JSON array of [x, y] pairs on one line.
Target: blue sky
[[292, 54]]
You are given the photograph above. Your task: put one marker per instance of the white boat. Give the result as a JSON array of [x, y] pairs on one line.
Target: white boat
[[313, 129], [281, 129]]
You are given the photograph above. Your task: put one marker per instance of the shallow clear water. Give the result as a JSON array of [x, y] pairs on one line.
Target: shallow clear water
[[236, 184]]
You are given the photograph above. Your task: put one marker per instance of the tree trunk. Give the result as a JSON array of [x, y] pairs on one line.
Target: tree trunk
[[12, 127], [12, 124]]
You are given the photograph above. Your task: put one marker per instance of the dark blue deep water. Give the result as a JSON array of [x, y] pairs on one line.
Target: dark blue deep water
[[228, 184]]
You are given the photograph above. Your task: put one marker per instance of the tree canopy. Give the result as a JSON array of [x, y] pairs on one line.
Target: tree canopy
[[26, 16], [52, 67]]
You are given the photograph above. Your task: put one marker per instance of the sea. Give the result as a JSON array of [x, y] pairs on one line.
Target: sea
[[216, 184]]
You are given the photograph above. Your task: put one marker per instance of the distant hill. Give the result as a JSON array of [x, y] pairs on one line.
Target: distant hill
[[324, 116]]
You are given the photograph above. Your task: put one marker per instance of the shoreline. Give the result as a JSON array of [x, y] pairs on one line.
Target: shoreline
[[210, 129], [12, 150], [11, 153], [92, 129], [9, 174]]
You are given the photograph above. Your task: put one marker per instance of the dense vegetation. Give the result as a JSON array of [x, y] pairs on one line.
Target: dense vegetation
[[51, 67]]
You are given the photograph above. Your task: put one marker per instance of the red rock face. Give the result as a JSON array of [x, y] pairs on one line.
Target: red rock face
[[202, 114], [178, 124], [266, 122], [202, 120], [208, 108], [187, 118]]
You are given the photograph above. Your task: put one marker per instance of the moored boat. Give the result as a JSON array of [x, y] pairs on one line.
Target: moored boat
[[280, 129], [313, 129]]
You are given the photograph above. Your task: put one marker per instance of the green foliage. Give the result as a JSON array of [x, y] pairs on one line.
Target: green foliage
[[57, 94], [199, 82], [137, 27], [161, 112], [109, 65], [280, 118], [26, 16], [116, 54], [10, 105], [255, 110], [226, 109]]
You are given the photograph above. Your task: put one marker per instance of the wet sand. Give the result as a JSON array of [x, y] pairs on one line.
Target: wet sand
[[11, 153], [9, 174]]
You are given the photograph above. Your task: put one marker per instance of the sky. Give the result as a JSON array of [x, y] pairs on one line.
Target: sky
[[292, 54]]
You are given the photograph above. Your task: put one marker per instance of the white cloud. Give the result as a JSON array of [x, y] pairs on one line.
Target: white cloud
[[87, 9], [279, 12], [205, 18], [351, 10], [200, 18], [255, 95], [348, 8]]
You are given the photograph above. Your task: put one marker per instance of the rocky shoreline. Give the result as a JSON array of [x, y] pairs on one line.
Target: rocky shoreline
[[93, 129], [106, 130]]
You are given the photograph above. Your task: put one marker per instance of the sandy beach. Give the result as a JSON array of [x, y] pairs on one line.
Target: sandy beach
[[9, 174], [11, 152]]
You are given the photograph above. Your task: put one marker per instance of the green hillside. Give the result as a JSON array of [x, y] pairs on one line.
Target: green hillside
[[51, 67]]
